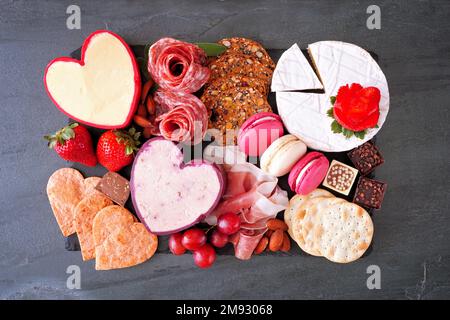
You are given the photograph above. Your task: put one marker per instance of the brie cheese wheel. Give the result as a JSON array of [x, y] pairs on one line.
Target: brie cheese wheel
[[338, 64], [293, 72], [102, 89]]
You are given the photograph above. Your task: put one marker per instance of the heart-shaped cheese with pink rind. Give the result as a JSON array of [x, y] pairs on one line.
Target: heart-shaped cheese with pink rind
[[102, 89], [169, 195]]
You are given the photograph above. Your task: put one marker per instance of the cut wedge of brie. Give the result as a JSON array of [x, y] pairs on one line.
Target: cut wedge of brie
[[293, 72], [305, 114]]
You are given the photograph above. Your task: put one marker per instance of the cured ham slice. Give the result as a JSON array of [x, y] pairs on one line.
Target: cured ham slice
[[177, 65], [180, 116], [256, 197]]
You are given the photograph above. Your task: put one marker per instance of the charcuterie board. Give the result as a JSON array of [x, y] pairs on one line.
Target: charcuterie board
[[72, 243]]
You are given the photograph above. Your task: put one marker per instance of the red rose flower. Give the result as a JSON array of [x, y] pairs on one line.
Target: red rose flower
[[357, 108]]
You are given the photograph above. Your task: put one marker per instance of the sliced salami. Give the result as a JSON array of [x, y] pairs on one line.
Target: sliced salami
[[182, 116], [177, 65]]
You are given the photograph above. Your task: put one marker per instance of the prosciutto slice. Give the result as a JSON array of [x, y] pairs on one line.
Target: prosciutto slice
[[177, 65], [180, 116], [256, 196]]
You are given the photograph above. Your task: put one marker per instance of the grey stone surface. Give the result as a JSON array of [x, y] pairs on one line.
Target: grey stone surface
[[411, 242]]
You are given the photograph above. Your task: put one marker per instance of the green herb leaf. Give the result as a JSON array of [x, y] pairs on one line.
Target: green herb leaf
[[360, 134], [212, 49], [336, 127], [330, 113], [347, 133], [332, 100]]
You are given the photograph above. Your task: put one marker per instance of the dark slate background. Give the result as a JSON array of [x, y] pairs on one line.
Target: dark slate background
[[411, 242]]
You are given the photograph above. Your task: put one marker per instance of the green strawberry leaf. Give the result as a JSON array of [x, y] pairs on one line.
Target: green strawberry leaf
[[330, 113], [376, 126], [128, 150], [332, 100], [212, 49], [336, 127]]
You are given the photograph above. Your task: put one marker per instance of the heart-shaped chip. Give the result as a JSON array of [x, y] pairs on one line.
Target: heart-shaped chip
[[120, 242], [84, 213], [100, 90], [168, 194], [65, 189]]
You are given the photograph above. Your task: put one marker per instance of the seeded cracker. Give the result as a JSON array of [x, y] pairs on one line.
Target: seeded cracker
[[231, 108], [250, 48]]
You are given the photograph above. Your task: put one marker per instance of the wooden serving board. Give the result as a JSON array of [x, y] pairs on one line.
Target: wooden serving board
[[71, 242]]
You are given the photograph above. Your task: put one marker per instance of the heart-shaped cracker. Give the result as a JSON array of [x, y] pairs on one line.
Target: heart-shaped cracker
[[120, 242], [103, 88], [65, 189], [85, 212]]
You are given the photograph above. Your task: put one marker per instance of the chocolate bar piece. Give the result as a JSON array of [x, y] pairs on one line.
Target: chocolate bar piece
[[340, 177], [115, 187], [369, 193], [366, 157]]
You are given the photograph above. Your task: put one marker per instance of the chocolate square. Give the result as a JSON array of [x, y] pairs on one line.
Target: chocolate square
[[115, 187], [340, 177], [369, 193], [366, 157]]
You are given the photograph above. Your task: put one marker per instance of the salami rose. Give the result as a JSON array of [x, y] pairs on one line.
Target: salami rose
[[184, 118], [177, 65]]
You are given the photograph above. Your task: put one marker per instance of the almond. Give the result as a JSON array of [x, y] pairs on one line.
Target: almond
[[141, 110], [286, 246], [147, 133], [262, 244], [275, 224], [276, 240], [145, 89], [141, 121], [151, 106]]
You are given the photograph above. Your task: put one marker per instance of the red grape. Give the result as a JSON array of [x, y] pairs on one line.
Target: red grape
[[218, 239], [193, 239], [205, 256], [175, 245], [229, 223]]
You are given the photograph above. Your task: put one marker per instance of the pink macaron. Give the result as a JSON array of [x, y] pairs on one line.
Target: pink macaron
[[258, 132], [308, 173]]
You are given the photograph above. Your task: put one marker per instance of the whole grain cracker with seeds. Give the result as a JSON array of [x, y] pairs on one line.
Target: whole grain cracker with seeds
[[230, 109], [250, 48], [239, 64], [234, 81]]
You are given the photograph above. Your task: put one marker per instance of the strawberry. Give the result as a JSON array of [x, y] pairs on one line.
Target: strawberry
[[115, 148], [73, 143]]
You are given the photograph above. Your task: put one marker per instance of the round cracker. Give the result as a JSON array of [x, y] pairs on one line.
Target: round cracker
[[347, 232], [249, 48], [84, 213], [312, 223], [65, 188]]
